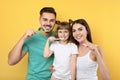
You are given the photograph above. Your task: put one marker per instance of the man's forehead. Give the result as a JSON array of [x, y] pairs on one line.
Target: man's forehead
[[48, 15]]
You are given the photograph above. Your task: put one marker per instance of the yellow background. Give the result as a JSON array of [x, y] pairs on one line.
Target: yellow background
[[16, 16]]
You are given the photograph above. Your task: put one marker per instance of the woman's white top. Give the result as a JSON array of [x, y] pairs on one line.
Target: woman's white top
[[86, 68], [62, 54]]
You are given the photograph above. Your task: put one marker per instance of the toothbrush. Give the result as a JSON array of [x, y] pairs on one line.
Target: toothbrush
[[80, 42], [58, 39], [46, 30]]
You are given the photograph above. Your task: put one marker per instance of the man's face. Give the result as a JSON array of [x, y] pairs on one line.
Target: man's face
[[47, 21]]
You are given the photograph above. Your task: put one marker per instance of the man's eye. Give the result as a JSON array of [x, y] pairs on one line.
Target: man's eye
[[52, 20], [45, 19]]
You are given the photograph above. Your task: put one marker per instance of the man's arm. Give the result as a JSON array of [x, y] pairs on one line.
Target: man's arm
[[16, 54]]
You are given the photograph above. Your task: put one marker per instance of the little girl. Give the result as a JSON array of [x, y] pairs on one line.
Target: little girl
[[64, 53]]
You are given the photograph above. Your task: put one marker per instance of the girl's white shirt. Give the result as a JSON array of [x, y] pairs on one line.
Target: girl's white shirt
[[62, 54]]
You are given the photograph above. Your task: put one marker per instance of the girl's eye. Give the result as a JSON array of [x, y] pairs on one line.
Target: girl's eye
[[66, 31], [59, 31]]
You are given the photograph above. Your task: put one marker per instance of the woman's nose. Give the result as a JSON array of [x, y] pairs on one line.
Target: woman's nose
[[77, 32]]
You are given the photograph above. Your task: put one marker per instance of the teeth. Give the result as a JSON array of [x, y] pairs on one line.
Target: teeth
[[61, 38], [47, 29], [57, 39], [78, 37]]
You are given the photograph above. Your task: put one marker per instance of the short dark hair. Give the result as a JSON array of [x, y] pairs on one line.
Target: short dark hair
[[48, 9]]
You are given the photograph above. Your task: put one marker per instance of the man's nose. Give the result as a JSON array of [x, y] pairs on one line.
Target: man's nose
[[48, 22]]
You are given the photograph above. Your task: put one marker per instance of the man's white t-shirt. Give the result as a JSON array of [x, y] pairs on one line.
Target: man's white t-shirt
[[62, 54]]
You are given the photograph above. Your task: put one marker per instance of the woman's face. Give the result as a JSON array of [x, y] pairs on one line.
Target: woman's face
[[79, 32]]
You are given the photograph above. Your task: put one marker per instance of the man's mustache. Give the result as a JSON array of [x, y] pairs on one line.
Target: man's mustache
[[48, 25]]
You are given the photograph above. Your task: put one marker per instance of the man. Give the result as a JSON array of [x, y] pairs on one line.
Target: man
[[33, 42]]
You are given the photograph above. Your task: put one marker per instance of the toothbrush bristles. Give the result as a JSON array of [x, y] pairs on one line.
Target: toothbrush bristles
[[85, 45]]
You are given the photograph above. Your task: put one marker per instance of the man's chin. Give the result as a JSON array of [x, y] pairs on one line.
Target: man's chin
[[47, 31]]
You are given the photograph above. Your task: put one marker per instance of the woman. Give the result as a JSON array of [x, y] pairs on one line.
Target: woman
[[90, 56]]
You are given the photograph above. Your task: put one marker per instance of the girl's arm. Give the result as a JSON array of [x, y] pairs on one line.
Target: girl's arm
[[73, 66], [101, 64], [47, 51]]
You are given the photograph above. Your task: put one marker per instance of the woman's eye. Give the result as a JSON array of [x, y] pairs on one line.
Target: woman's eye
[[80, 29]]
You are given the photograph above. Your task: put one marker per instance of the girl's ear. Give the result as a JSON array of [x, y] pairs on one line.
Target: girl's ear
[[57, 22]]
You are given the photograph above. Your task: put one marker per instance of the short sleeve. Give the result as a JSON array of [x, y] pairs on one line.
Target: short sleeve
[[25, 47], [74, 49], [52, 47]]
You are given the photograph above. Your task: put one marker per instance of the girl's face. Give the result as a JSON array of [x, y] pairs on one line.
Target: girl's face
[[63, 34], [79, 32]]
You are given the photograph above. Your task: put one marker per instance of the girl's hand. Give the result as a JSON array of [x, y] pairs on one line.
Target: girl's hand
[[52, 39]]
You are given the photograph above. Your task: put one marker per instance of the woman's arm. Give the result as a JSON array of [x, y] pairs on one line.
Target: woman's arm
[[73, 66], [101, 64]]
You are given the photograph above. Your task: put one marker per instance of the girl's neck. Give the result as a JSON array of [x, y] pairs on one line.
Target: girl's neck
[[63, 42]]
